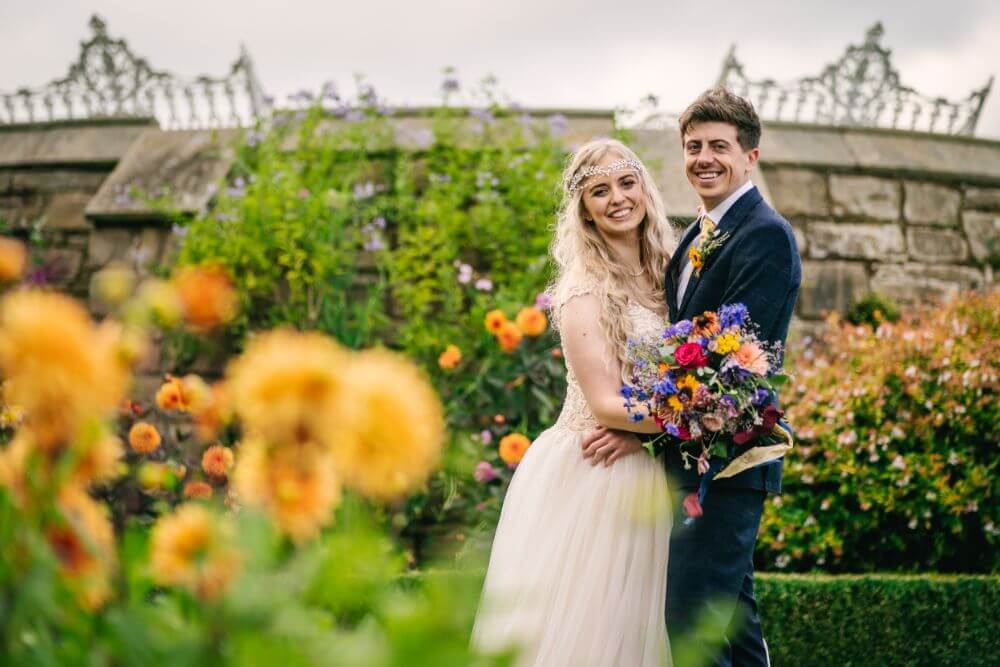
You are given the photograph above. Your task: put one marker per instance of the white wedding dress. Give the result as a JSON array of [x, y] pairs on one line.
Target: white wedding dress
[[577, 574]]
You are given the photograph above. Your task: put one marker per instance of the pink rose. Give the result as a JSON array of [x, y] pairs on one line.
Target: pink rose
[[692, 506], [485, 472], [690, 355]]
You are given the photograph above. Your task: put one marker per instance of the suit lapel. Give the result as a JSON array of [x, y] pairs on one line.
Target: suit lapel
[[674, 268], [733, 217]]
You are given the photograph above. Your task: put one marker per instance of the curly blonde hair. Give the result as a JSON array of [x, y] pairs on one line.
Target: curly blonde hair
[[586, 264]]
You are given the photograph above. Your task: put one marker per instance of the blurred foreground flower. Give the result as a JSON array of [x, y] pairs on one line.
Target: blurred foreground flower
[[59, 368], [495, 320], [296, 485], [194, 549], [509, 336], [82, 540], [391, 426], [13, 257], [287, 385], [207, 296]]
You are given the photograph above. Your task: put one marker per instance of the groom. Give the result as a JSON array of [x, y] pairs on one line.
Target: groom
[[740, 250]]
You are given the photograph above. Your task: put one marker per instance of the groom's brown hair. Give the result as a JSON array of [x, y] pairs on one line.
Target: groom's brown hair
[[718, 105]]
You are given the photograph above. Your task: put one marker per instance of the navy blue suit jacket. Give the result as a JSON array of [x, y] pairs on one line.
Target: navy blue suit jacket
[[758, 265]]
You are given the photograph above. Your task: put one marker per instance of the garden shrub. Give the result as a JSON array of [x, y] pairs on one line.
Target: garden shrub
[[895, 465]]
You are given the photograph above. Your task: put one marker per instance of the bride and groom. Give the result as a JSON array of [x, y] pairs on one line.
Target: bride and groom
[[589, 565]]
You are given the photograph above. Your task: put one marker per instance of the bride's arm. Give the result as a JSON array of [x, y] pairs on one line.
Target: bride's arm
[[586, 353]]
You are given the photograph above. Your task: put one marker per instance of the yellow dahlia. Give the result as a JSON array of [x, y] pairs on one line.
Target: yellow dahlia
[[392, 426], [286, 385], [83, 543], [295, 485], [207, 296], [58, 368], [194, 549]]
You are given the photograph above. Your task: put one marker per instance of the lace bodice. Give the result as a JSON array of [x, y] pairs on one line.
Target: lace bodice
[[576, 414]]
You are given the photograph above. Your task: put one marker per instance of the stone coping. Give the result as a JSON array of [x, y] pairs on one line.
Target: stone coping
[[101, 143]]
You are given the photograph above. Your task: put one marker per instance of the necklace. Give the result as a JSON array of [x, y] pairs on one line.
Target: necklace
[[637, 273]]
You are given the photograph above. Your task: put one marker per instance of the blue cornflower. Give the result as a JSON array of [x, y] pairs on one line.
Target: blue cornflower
[[665, 387], [627, 392], [761, 397], [732, 314], [636, 417], [672, 430]]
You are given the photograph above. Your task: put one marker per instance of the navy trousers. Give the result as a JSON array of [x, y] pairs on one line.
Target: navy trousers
[[709, 570]]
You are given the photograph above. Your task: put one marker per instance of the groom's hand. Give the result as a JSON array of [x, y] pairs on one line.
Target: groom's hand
[[608, 445]]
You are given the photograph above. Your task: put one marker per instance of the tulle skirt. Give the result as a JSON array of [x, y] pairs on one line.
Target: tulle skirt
[[577, 574]]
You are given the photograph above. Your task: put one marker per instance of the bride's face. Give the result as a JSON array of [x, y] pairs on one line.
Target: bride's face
[[616, 203]]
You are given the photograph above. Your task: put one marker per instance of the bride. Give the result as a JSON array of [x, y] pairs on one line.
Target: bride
[[577, 574]]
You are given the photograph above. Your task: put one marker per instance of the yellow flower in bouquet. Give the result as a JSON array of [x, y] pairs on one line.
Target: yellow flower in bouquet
[[82, 540], [58, 368], [295, 485], [726, 343], [392, 426], [285, 387], [193, 548]]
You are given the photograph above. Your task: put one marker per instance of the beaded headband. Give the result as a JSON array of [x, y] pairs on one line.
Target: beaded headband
[[576, 183]]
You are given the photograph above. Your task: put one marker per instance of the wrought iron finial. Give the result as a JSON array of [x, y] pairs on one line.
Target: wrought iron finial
[[861, 89], [109, 81]]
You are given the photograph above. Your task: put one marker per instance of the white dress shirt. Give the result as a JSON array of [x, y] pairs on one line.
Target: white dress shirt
[[716, 215]]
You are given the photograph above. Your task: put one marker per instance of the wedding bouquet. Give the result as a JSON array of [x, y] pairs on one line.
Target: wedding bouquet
[[711, 383]]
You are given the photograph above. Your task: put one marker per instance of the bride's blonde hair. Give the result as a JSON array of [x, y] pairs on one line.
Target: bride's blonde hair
[[584, 262]]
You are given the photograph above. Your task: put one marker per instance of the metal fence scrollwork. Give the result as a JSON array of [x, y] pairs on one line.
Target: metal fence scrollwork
[[109, 81], [860, 89]]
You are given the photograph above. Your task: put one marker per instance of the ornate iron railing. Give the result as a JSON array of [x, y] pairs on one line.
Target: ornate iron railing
[[109, 81], [860, 89]]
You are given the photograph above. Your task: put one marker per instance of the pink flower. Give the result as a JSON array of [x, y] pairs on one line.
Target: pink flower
[[751, 358], [485, 472], [486, 436], [713, 421]]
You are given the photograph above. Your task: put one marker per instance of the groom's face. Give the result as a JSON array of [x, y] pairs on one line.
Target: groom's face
[[715, 163]]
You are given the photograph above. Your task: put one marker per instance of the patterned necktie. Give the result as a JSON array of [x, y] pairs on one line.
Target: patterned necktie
[[707, 227]]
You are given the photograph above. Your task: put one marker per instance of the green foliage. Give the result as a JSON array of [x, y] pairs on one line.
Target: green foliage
[[873, 309], [880, 620], [341, 599], [895, 465]]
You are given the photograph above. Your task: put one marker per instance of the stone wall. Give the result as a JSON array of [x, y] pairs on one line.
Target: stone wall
[[914, 216]]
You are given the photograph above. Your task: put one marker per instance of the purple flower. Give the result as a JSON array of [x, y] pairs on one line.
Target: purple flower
[[364, 190], [558, 123], [485, 472], [424, 138], [543, 301], [484, 116], [486, 436], [179, 231], [450, 85], [254, 138], [464, 274], [673, 430], [484, 285], [682, 328], [379, 222], [665, 387], [732, 314], [760, 397], [374, 242]]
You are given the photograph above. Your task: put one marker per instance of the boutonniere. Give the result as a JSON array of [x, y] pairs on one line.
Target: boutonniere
[[704, 246]]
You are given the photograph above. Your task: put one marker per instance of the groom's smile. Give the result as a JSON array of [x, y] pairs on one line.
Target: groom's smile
[[715, 163]]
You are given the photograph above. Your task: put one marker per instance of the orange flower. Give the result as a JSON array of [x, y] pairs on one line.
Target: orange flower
[[531, 321], [207, 296], [495, 320], [83, 543], [706, 324], [197, 490], [210, 417], [193, 548], [295, 485], [217, 461], [450, 358], [513, 447], [509, 337], [143, 437], [170, 395], [13, 257]]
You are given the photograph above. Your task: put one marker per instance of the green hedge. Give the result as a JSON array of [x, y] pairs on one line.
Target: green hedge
[[880, 620]]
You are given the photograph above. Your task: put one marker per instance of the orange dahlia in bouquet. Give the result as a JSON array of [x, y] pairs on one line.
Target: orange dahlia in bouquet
[[711, 384]]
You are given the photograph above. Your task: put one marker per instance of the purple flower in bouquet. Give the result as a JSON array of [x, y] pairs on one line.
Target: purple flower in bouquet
[[682, 328], [733, 315]]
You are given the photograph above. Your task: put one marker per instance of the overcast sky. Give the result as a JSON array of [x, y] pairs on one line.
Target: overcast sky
[[551, 53]]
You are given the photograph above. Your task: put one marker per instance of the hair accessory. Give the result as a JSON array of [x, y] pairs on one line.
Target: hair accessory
[[576, 183]]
